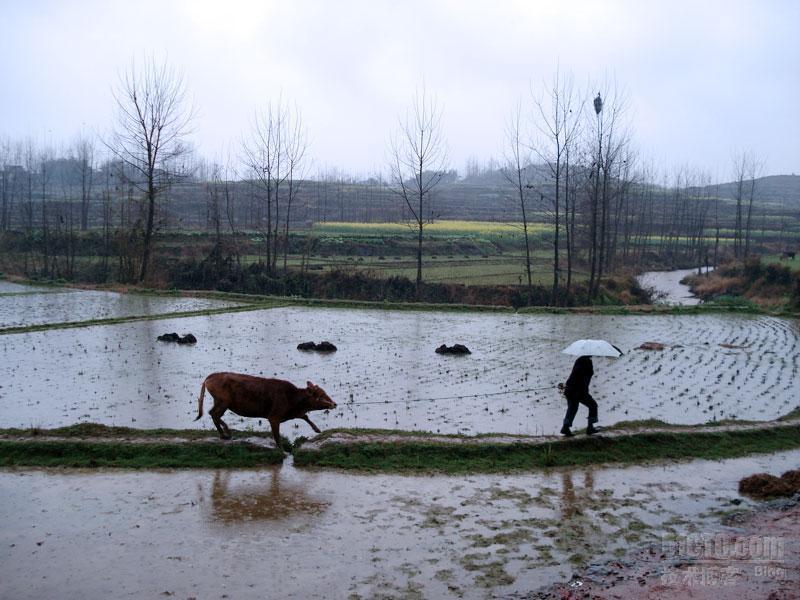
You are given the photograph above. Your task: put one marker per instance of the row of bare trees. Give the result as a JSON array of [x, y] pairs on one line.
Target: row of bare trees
[[147, 155], [573, 160], [274, 155], [574, 165], [569, 161]]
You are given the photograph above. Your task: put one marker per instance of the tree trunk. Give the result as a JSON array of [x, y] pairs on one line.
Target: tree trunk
[[148, 231]]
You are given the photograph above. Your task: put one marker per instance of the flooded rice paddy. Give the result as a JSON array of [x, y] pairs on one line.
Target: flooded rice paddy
[[285, 533], [36, 306], [386, 373]]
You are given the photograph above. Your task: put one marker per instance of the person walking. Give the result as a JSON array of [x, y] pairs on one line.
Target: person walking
[[576, 391]]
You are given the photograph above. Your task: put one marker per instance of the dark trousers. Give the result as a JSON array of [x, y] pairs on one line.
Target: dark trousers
[[572, 409]]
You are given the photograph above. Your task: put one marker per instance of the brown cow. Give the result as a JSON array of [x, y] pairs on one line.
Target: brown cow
[[273, 399]]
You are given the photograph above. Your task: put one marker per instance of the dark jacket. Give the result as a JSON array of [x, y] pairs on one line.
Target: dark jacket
[[577, 385]]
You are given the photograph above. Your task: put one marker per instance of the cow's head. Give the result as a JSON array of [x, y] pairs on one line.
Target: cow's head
[[317, 398]]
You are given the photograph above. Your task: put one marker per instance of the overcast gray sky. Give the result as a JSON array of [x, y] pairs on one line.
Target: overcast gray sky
[[705, 78]]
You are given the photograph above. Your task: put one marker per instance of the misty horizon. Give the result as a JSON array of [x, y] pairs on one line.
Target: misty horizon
[[703, 82]]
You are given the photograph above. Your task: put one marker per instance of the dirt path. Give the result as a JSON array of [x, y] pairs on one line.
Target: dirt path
[[754, 555], [388, 437]]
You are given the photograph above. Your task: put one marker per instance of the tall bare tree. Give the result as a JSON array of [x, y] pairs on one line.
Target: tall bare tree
[[418, 162], [556, 119], [754, 171], [153, 119], [5, 183], [273, 155], [740, 166], [83, 155], [518, 163], [296, 147], [612, 139]]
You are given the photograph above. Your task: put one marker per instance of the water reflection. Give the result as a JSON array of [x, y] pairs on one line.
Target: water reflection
[[576, 504], [266, 495]]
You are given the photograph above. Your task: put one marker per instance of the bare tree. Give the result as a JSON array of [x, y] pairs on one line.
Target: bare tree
[[518, 162], [612, 140], [296, 147], [6, 185], [740, 161], [557, 124], [83, 154], [418, 161], [746, 168], [273, 155], [754, 171], [45, 159], [153, 119]]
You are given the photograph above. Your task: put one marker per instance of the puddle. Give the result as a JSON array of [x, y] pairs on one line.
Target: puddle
[[120, 374], [58, 305], [284, 532]]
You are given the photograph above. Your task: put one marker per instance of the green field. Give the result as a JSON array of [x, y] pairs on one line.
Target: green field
[[464, 252], [454, 252], [460, 252], [475, 455], [505, 269]]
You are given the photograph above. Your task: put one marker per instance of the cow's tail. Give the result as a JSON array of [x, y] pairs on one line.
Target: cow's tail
[[200, 402]]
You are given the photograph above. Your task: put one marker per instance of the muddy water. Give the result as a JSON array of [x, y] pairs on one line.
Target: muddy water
[[121, 375], [283, 532], [668, 287], [26, 307]]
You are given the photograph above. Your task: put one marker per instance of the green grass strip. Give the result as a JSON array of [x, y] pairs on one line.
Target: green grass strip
[[97, 430], [431, 457], [609, 309], [35, 293], [69, 453], [261, 301], [96, 445], [135, 318]]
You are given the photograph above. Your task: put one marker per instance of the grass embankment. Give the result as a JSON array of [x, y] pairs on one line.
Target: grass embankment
[[767, 285], [92, 445], [488, 457]]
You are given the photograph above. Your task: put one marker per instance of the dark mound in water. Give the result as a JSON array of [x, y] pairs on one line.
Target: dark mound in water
[[321, 347], [764, 485], [454, 349], [174, 337], [651, 346]]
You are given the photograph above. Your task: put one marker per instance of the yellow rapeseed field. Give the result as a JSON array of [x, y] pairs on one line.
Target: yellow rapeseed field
[[466, 228]]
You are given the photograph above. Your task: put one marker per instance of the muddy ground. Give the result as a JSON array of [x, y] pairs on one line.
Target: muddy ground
[[756, 554], [285, 532]]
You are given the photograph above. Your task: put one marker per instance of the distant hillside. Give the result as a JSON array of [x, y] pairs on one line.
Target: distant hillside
[[485, 195], [780, 189]]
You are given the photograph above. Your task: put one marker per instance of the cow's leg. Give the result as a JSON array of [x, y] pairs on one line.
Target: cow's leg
[[276, 432], [307, 420], [216, 413]]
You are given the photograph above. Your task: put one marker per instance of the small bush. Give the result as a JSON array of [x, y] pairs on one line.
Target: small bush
[[764, 485]]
